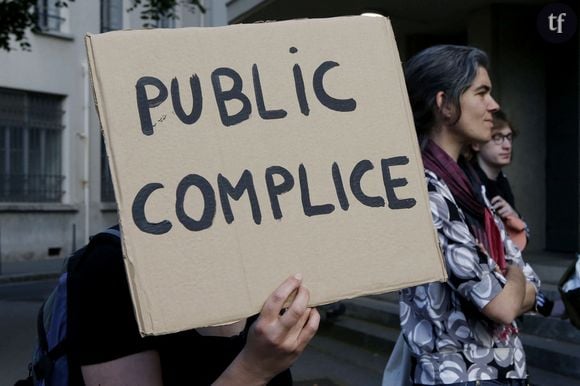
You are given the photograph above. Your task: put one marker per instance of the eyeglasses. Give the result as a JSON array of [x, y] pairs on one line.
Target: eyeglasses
[[499, 138]]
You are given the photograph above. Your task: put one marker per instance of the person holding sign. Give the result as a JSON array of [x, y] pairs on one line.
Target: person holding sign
[[107, 349], [462, 331]]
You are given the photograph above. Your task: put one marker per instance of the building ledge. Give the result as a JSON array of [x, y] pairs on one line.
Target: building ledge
[[109, 207], [55, 34], [30, 207]]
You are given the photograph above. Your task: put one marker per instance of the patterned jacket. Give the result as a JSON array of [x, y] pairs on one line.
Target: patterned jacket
[[450, 338]]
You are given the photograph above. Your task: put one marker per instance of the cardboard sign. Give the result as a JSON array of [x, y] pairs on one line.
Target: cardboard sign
[[244, 154]]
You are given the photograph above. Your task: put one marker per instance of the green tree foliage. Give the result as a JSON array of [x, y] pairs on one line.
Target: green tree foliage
[[15, 18], [19, 16]]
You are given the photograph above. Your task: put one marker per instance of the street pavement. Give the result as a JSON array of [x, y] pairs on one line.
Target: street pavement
[[26, 270], [19, 304]]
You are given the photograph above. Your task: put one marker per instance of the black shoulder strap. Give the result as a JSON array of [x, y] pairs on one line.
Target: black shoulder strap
[[43, 367], [40, 330]]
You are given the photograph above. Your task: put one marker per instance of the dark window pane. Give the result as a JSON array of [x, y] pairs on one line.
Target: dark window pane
[[107, 191], [30, 146], [49, 17], [111, 15]]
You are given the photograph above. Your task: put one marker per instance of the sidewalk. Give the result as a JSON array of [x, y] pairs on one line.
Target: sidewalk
[[15, 271]]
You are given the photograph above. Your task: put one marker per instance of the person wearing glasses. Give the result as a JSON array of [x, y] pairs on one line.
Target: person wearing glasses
[[488, 160], [463, 331]]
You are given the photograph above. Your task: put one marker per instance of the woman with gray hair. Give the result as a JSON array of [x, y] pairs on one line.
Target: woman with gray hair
[[462, 332]]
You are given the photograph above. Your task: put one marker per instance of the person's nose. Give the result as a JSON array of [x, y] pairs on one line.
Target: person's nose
[[492, 105]]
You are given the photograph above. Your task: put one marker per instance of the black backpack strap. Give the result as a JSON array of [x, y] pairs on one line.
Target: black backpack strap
[[43, 367], [40, 330], [56, 351]]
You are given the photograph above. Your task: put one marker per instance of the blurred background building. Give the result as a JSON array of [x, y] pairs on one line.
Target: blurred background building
[[55, 187]]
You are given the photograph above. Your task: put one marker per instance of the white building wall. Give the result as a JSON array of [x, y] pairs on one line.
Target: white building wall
[[53, 66], [57, 65]]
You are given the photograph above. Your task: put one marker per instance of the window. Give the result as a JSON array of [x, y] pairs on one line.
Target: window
[[30, 146], [107, 192], [49, 16], [165, 22], [111, 20], [111, 15]]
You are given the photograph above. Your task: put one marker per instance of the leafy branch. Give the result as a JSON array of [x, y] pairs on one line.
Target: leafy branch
[[19, 16]]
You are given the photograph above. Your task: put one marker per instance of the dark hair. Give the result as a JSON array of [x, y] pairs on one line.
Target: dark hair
[[446, 68], [500, 120]]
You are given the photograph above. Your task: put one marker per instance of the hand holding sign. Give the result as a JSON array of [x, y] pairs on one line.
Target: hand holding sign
[[277, 338]]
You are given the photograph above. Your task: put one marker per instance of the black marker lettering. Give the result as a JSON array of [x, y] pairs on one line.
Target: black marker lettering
[[355, 177], [246, 183], [144, 104], [322, 95], [275, 190], [262, 111], [300, 92], [309, 209], [391, 184], [197, 100], [138, 211], [235, 92], [339, 186], [209, 206]]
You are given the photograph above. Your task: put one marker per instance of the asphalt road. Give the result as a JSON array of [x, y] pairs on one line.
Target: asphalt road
[[19, 303]]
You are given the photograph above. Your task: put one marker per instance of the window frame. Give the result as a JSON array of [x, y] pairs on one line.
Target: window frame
[[31, 147], [50, 17]]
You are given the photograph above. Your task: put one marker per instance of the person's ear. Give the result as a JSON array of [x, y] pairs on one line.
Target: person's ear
[[443, 106], [476, 147]]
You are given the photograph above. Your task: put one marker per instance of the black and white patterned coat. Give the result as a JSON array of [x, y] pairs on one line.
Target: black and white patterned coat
[[447, 333]]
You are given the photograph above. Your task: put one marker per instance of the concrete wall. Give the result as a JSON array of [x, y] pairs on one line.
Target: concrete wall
[[28, 235], [518, 77], [537, 85]]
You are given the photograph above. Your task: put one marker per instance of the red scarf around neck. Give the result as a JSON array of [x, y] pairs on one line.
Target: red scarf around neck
[[484, 229]]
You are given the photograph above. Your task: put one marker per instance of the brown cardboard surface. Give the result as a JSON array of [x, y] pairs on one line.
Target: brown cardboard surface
[[357, 115]]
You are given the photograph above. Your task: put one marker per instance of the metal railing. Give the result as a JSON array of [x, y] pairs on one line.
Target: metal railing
[[31, 188]]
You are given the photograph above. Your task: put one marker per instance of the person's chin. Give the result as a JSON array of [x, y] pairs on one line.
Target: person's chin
[[486, 134], [504, 161], [483, 136]]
